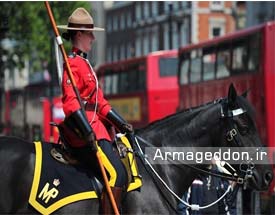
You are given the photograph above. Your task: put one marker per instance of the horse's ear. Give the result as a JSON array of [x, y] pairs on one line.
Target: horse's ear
[[244, 94], [232, 94]]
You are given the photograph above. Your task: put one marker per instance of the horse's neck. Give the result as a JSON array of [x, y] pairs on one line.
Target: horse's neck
[[183, 129], [165, 128]]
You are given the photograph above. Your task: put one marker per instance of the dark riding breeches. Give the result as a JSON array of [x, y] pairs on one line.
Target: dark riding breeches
[[115, 169]]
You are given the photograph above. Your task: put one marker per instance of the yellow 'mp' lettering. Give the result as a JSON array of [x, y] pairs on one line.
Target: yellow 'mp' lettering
[[46, 194]]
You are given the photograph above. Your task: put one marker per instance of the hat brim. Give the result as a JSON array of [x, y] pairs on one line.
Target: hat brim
[[80, 29]]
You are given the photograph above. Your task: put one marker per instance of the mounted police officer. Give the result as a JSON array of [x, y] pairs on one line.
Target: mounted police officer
[[94, 124]]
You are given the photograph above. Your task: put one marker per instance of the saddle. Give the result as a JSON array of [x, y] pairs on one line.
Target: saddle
[[64, 155]]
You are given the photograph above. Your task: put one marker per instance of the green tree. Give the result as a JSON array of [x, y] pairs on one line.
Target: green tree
[[30, 28]]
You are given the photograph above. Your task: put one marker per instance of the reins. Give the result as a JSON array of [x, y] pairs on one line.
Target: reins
[[192, 206], [239, 180], [232, 177]]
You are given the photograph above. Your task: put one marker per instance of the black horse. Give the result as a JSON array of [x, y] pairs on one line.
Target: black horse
[[208, 126]]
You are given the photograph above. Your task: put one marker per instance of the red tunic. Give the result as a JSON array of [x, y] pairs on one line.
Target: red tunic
[[85, 80]]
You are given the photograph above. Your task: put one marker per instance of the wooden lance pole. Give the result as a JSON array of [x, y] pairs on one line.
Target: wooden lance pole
[[98, 154]]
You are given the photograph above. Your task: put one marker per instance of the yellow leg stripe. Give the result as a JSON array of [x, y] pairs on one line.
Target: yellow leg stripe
[[109, 167]]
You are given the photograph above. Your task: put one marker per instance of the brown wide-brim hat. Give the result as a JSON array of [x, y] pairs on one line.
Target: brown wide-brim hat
[[80, 20]]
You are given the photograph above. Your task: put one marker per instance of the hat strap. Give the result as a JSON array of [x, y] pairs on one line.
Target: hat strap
[[74, 25]]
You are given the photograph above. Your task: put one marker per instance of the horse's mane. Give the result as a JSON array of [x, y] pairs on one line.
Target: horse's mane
[[190, 124], [184, 115]]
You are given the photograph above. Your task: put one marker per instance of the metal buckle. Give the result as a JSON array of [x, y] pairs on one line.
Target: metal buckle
[[230, 134], [240, 180]]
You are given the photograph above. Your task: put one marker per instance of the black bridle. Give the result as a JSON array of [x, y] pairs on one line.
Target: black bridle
[[232, 136]]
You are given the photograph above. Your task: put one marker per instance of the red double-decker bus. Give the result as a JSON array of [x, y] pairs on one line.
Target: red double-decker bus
[[142, 89], [245, 58]]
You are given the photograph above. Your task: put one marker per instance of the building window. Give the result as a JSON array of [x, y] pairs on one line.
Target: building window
[[122, 21], [109, 25], [154, 8], [129, 49], [129, 20], [138, 11], [184, 4], [109, 54], [115, 53], [175, 5], [138, 47], [216, 27], [146, 9], [155, 39], [166, 36], [122, 52], [184, 34], [175, 36], [216, 5], [146, 44], [115, 24], [216, 31], [167, 6]]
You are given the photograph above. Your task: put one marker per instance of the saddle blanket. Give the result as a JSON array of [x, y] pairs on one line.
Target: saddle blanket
[[56, 184]]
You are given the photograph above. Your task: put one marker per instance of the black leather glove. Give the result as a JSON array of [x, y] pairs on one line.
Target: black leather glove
[[119, 122], [128, 128], [78, 123]]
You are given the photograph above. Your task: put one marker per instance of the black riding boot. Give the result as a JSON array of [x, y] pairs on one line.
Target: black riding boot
[[106, 206]]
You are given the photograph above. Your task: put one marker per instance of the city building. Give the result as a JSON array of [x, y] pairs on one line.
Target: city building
[[136, 28], [97, 55], [211, 19], [259, 12]]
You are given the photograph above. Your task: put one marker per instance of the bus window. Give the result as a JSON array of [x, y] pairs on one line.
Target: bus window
[[223, 63], [254, 52], [209, 66], [239, 57], [184, 67], [195, 72], [123, 82], [168, 66], [133, 77], [141, 80]]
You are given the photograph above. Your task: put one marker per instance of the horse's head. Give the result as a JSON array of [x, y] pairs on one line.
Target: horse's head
[[238, 129], [227, 122]]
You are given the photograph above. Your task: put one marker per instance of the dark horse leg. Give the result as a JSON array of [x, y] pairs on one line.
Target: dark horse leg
[[16, 170]]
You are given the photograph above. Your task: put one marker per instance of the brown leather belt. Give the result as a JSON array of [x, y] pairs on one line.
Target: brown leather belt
[[90, 107]]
